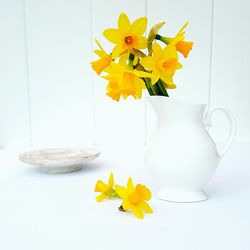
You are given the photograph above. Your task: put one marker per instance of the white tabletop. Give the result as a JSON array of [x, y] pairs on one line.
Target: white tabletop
[[58, 211]]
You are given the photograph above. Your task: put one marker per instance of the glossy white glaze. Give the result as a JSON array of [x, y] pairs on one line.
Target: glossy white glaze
[[181, 155]]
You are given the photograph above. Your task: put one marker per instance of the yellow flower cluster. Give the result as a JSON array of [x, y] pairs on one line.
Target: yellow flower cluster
[[129, 70], [134, 198]]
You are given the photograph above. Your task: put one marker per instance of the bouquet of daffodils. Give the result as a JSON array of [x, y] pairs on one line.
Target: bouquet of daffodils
[[129, 70]]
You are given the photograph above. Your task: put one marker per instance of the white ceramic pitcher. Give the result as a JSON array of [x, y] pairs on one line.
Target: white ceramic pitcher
[[181, 155]]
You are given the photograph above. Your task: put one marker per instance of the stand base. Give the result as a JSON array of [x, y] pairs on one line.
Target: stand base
[[175, 195], [59, 170]]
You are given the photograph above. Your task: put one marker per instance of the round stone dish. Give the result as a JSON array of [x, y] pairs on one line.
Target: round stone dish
[[59, 160]]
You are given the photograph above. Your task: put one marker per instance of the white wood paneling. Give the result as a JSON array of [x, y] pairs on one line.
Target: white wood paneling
[[59, 52], [123, 122], [193, 79], [14, 109], [65, 102], [231, 61]]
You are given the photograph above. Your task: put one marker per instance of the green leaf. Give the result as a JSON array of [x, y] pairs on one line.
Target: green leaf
[[152, 34]]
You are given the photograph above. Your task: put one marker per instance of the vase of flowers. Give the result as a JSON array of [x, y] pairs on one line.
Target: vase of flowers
[[181, 155]]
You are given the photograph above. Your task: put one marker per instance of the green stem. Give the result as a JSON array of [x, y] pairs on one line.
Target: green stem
[[131, 60], [158, 37], [164, 39], [162, 88], [150, 87], [150, 91], [114, 194]]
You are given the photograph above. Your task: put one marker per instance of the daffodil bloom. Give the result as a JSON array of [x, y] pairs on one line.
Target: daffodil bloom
[[128, 36], [124, 81], [135, 198], [106, 190], [163, 63], [181, 46], [103, 62]]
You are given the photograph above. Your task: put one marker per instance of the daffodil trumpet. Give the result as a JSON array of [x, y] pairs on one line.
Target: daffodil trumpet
[[129, 70]]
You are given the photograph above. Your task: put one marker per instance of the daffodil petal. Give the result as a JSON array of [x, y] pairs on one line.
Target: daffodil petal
[[117, 68], [155, 76], [136, 59], [139, 86], [170, 52], [139, 26], [113, 92], [111, 180], [168, 80], [145, 206], [142, 42], [157, 51], [130, 185], [125, 205], [99, 45], [124, 24], [113, 35], [100, 186], [138, 212], [171, 86], [142, 74], [177, 39], [100, 53], [100, 197], [179, 66], [181, 31], [123, 59], [121, 191], [117, 51], [148, 62]]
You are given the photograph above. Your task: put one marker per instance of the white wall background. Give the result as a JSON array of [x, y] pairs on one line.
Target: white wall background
[[50, 96]]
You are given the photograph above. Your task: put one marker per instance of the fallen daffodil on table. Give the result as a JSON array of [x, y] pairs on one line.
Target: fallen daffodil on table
[[129, 69], [134, 198], [106, 190]]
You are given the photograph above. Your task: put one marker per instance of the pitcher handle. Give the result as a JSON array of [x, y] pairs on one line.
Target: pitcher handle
[[232, 130]]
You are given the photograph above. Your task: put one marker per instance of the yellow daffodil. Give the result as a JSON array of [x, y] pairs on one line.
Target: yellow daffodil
[[106, 190], [129, 70], [163, 64], [134, 198], [181, 46], [103, 62], [124, 81], [128, 36]]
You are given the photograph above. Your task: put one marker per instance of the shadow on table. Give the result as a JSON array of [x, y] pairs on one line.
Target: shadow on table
[[85, 168], [225, 186]]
